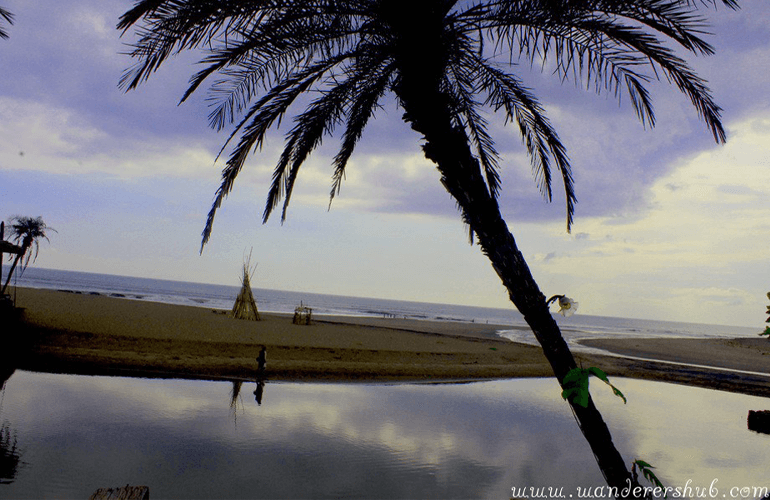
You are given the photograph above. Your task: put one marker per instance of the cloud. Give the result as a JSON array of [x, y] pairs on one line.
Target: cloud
[[689, 253], [661, 212], [613, 161], [40, 137]]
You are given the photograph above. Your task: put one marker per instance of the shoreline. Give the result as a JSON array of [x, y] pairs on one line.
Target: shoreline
[[102, 335]]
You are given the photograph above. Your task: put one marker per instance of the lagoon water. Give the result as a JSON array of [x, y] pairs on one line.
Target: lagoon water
[[64, 436], [189, 439]]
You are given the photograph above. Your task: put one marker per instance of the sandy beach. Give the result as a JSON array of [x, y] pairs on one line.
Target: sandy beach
[[96, 334]]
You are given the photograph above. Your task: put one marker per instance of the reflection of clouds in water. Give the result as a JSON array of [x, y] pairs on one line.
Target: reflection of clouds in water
[[512, 427], [424, 421], [411, 440], [155, 399], [689, 433], [332, 440]]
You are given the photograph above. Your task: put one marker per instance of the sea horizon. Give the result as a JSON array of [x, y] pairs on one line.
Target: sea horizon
[[215, 296]]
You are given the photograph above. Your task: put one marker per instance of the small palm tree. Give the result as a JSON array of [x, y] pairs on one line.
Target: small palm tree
[[7, 17], [445, 61], [26, 231]]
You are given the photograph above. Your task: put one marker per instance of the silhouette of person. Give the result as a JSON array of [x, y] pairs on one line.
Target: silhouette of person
[[261, 361], [258, 392]]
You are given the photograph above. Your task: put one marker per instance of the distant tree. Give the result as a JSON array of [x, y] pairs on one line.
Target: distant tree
[[26, 231], [444, 60], [7, 17]]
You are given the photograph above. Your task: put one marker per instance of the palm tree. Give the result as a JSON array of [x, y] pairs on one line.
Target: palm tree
[[444, 61], [8, 17], [26, 231]]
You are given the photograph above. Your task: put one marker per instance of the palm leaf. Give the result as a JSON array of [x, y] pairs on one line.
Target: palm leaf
[[465, 89], [262, 55], [543, 144], [361, 111], [8, 17], [318, 120], [257, 122], [596, 46]]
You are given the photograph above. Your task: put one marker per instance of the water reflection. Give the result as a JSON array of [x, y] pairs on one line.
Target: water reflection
[[336, 440], [10, 454], [259, 391], [261, 375]]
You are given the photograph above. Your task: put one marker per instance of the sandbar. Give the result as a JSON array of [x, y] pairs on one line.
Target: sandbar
[[69, 332]]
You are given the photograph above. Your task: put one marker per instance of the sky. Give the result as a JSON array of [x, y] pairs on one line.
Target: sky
[[669, 225]]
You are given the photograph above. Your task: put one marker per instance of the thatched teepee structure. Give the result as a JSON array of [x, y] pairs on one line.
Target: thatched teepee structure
[[245, 306]]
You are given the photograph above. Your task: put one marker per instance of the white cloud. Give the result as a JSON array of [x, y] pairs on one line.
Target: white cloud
[[686, 256], [684, 238], [34, 136]]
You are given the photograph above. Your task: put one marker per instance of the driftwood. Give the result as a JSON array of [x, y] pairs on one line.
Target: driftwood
[[123, 493], [759, 421]]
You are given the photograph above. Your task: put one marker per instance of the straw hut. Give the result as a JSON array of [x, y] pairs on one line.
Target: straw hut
[[302, 315], [245, 306]]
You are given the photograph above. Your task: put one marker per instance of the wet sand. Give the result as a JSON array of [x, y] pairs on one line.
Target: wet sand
[[737, 364], [95, 334]]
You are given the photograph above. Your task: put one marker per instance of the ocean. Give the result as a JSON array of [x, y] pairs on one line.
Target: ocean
[[578, 326]]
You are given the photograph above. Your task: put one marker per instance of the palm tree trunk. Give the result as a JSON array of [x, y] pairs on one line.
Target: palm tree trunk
[[24, 247], [2, 238], [10, 273], [448, 147]]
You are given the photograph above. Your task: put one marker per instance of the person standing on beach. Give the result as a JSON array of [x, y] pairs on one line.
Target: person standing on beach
[[261, 362]]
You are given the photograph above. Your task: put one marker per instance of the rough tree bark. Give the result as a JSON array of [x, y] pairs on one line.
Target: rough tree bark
[[429, 112]]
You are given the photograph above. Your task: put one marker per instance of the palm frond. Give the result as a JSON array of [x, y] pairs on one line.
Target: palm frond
[[263, 55], [319, 119], [597, 47], [257, 121], [464, 90], [362, 108], [462, 79], [543, 145], [7, 17], [733, 4], [274, 104], [172, 26], [25, 232], [242, 79], [676, 70]]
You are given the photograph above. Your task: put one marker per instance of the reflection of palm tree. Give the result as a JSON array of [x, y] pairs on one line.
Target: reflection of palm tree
[[7, 17], [6, 370], [26, 231], [235, 392], [10, 456], [440, 59]]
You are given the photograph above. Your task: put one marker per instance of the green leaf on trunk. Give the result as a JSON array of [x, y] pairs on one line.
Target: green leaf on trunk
[[646, 470], [575, 385]]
